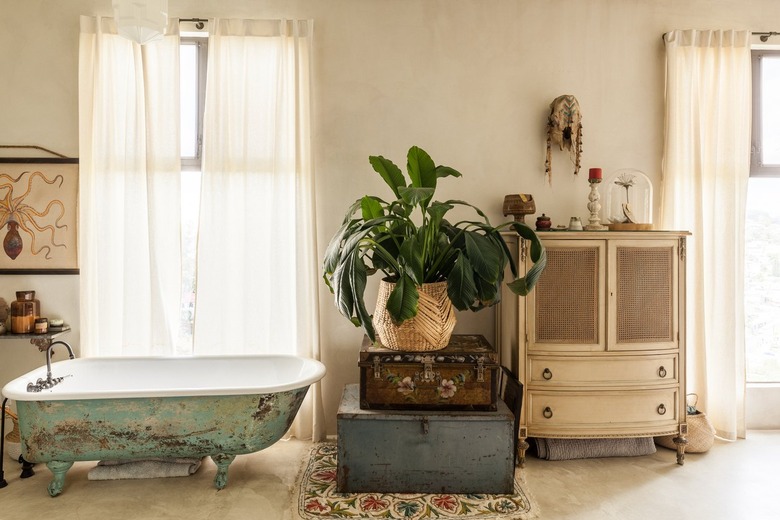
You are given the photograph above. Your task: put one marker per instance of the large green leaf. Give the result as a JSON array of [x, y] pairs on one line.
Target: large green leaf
[[485, 259], [357, 284], [413, 260], [422, 170], [525, 284], [460, 284], [437, 210], [389, 171], [414, 196], [402, 302], [333, 251], [370, 208], [446, 171], [342, 290], [487, 294]]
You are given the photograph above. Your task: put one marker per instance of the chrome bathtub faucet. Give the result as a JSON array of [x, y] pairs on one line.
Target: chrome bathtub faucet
[[49, 382]]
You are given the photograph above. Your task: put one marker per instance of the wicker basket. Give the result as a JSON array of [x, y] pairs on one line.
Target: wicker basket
[[701, 434], [13, 446], [429, 330]]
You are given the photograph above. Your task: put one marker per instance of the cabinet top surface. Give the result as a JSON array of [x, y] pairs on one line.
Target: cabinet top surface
[[589, 235]]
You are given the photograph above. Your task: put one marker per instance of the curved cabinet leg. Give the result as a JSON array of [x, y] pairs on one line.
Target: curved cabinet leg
[[522, 447], [222, 460], [58, 469], [680, 441]]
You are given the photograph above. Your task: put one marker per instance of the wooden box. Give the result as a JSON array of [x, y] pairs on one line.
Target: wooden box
[[396, 451], [462, 376]]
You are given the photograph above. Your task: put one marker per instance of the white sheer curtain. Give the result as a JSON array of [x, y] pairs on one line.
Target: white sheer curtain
[[257, 266], [128, 191], [705, 174]]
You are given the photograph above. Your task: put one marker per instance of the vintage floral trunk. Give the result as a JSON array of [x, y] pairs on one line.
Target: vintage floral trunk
[[461, 376]]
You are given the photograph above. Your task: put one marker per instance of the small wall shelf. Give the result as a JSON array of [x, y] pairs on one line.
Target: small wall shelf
[[42, 341]]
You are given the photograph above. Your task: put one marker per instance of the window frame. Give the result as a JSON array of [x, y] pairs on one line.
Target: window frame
[[201, 45], [757, 168]]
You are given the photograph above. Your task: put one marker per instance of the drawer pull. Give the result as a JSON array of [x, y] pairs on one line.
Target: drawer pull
[[661, 409], [662, 372], [547, 412], [547, 374]]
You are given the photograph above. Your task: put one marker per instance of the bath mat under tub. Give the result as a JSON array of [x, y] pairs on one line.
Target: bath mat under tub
[[316, 498], [146, 468]]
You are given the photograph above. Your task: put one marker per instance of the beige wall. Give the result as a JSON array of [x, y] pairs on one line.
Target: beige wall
[[470, 81]]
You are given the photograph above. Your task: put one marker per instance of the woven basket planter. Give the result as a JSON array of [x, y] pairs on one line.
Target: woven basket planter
[[13, 446], [429, 330], [701, 435]]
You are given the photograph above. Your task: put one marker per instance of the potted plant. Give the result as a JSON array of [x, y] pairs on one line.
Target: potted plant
[[428, 263]]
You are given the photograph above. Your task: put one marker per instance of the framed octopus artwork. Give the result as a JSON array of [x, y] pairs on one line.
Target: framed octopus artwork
[[39, 215]]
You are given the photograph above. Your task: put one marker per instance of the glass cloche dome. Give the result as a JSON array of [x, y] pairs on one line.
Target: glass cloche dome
[[628, 202]]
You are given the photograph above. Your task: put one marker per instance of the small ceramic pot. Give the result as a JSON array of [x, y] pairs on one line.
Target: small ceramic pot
[[543, 223]]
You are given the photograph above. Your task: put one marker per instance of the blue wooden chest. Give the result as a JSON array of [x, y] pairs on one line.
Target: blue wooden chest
[[404, 451]]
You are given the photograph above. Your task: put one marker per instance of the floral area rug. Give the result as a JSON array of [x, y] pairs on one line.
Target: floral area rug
[[317, 498]]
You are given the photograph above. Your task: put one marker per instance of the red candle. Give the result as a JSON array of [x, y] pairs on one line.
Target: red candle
[[594, 173]]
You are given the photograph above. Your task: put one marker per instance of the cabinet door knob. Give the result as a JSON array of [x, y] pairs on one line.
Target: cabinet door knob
[[662, 372], [547, 412], [661, 409], [547, 374]]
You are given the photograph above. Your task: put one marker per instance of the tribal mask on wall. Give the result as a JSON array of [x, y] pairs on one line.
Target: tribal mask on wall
[[564, 128]]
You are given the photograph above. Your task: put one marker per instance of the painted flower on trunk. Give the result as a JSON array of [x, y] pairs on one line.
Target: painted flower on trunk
[[447, 388], [406, 386]]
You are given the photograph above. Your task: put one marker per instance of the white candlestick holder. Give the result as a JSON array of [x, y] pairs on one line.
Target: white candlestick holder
[[594, 206]]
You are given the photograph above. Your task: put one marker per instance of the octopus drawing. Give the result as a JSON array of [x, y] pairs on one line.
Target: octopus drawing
[[18, 214]]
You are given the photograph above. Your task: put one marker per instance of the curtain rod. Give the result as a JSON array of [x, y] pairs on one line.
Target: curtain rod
[[763, 36], [200, 23]]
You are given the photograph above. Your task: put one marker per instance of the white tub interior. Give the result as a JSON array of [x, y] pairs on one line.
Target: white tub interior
[[96, 378]]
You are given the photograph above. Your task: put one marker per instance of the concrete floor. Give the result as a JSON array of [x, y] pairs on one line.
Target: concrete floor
[[733, 481]]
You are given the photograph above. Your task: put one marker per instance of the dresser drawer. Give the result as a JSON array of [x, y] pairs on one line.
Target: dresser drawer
[[609, 412], [561, 371]]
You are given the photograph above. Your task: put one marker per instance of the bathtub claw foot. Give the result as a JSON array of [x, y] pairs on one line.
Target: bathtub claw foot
[[222, 461], [58, 469]]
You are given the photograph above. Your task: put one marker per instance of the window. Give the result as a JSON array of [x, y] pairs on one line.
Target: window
[[762, 225], [193, 59]]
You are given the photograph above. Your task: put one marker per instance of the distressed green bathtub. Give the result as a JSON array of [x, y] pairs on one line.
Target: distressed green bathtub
[[127, 408]]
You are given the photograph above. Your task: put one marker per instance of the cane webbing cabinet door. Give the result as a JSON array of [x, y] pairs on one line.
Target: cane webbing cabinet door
[[568, 309], [601, 338]]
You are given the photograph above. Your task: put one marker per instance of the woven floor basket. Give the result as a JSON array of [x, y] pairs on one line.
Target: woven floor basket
[[701, 435], [429, 330]]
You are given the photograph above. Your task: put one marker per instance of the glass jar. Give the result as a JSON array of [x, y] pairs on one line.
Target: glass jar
[[24, 311], [41, 326]]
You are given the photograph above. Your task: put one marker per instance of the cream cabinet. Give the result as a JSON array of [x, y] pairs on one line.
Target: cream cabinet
[[600, 342]]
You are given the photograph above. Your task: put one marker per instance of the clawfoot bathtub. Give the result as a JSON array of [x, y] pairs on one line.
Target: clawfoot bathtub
[[128, 408]]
